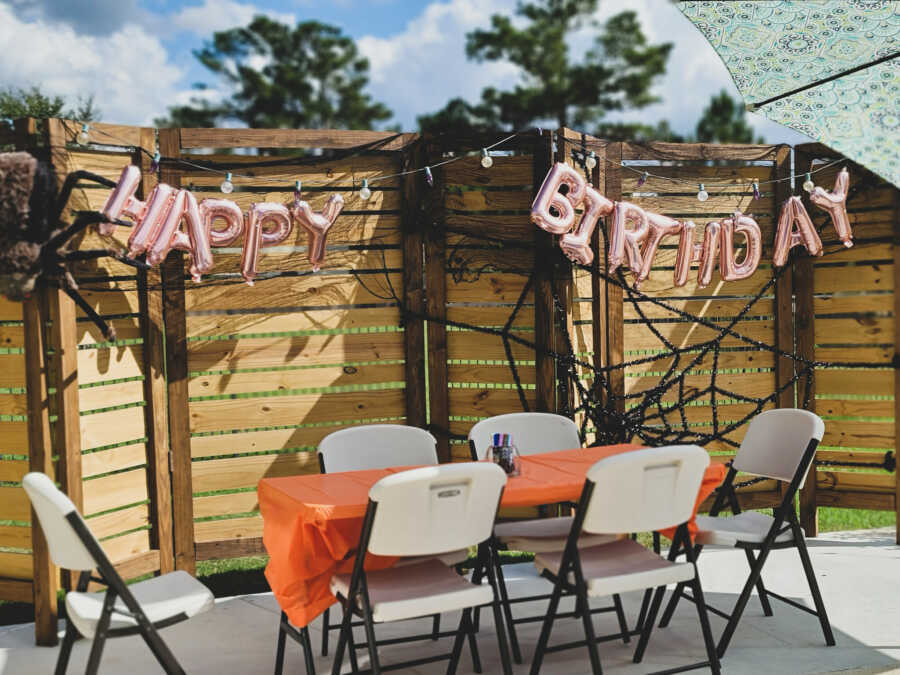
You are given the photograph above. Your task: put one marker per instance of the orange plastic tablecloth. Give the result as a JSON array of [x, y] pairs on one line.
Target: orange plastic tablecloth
[[311, 524]]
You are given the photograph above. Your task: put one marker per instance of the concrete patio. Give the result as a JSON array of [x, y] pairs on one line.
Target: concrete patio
[[859, 573]]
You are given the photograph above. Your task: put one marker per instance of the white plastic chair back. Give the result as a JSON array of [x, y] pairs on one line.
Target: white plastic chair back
[[377, 446], [645, 490], [435, 510], [532, 432], [52, 506], [775, 441]]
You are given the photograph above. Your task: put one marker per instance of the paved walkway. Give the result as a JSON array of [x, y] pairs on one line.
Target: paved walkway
[[859, 573]]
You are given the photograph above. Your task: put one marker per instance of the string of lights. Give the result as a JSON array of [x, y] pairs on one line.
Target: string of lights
[[588, 158]]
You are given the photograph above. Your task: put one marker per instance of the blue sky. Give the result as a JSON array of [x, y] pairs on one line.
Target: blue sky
[[135, 56]]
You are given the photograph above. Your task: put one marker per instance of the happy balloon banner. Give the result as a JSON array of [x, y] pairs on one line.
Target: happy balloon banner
[[157, 224], [636, 245]]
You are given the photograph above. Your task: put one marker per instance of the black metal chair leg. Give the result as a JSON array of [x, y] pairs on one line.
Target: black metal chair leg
[[760, 586], [371, 641], [342, 641], [814, 588], [670, 607], [741, 604], [279, 649], [100, 634], [435, 626], [308, 651], [65, 650], [546, 627], [620, 615], [473, 647], [462, 630], [507, 612], [708, 641], [326, 622], [588, 622], [498, 613], [648, 624], [354, 664], [645, 605]]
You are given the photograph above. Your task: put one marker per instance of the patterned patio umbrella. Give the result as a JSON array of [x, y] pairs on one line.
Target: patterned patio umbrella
[[828, 68]]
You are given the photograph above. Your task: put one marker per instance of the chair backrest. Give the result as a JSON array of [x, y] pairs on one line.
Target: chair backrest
[[52, 507], [377, 446], [776, 441], [532, 432], [645, 490], [435, 509]]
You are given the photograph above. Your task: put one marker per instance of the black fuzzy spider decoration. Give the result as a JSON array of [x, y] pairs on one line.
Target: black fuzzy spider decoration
[[33, 237]]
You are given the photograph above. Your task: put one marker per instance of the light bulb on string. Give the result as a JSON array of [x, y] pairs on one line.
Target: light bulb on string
[[702, 194], [486, 160], [756, 194], [84, 136], [364, 191], [808, 184], [154, 165], [298, 187], [591, 161], [643, 179], [428, 177], [227, 186]]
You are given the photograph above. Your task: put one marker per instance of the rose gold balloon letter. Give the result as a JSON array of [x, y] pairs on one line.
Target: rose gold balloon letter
[[703, 253], [836, 205], [549, 197], [577, 245], [786, 237], [745, 225], [121, 200], [277, 219], [624, 242], [317, 224]]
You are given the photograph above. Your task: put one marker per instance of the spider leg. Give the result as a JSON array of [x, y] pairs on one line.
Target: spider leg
[[65, 192], [94, 254], [84, 219], [109, 333]]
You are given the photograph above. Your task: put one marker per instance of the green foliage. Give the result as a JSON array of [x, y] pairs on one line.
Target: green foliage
[[723, 121], [19, 102], [637, 132], [309, 75], [615, 73]]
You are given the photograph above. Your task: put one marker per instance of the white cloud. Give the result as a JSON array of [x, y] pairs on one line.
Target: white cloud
[[417, 70], [218, 15], [128, 70]]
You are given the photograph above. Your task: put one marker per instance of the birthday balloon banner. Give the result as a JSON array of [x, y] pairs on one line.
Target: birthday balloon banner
[[554, 212], [157, 224]]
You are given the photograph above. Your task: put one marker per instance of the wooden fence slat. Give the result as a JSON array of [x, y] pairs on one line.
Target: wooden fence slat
[[543, 274], [614, 334], [896, 308], [289, 138]]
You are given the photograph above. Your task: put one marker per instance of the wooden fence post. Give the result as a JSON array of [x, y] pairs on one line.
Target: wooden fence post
[[414, 285], [172, 271], [150, 306], [614, 332], [40, 455], [896, 252], [804, 322], [545, 369], [436, 307], [564, 283]]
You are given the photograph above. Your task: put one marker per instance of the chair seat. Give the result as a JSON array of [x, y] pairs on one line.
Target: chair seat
[[449, 559], [619, 567], [544, 535], [749, 526], [429, 587], [161, 598]]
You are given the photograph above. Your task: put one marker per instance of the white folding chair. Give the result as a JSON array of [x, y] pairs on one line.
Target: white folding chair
[[533, 433], [640, 491], [142, 608], [369, 446], [779, 444], [423, 513]]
